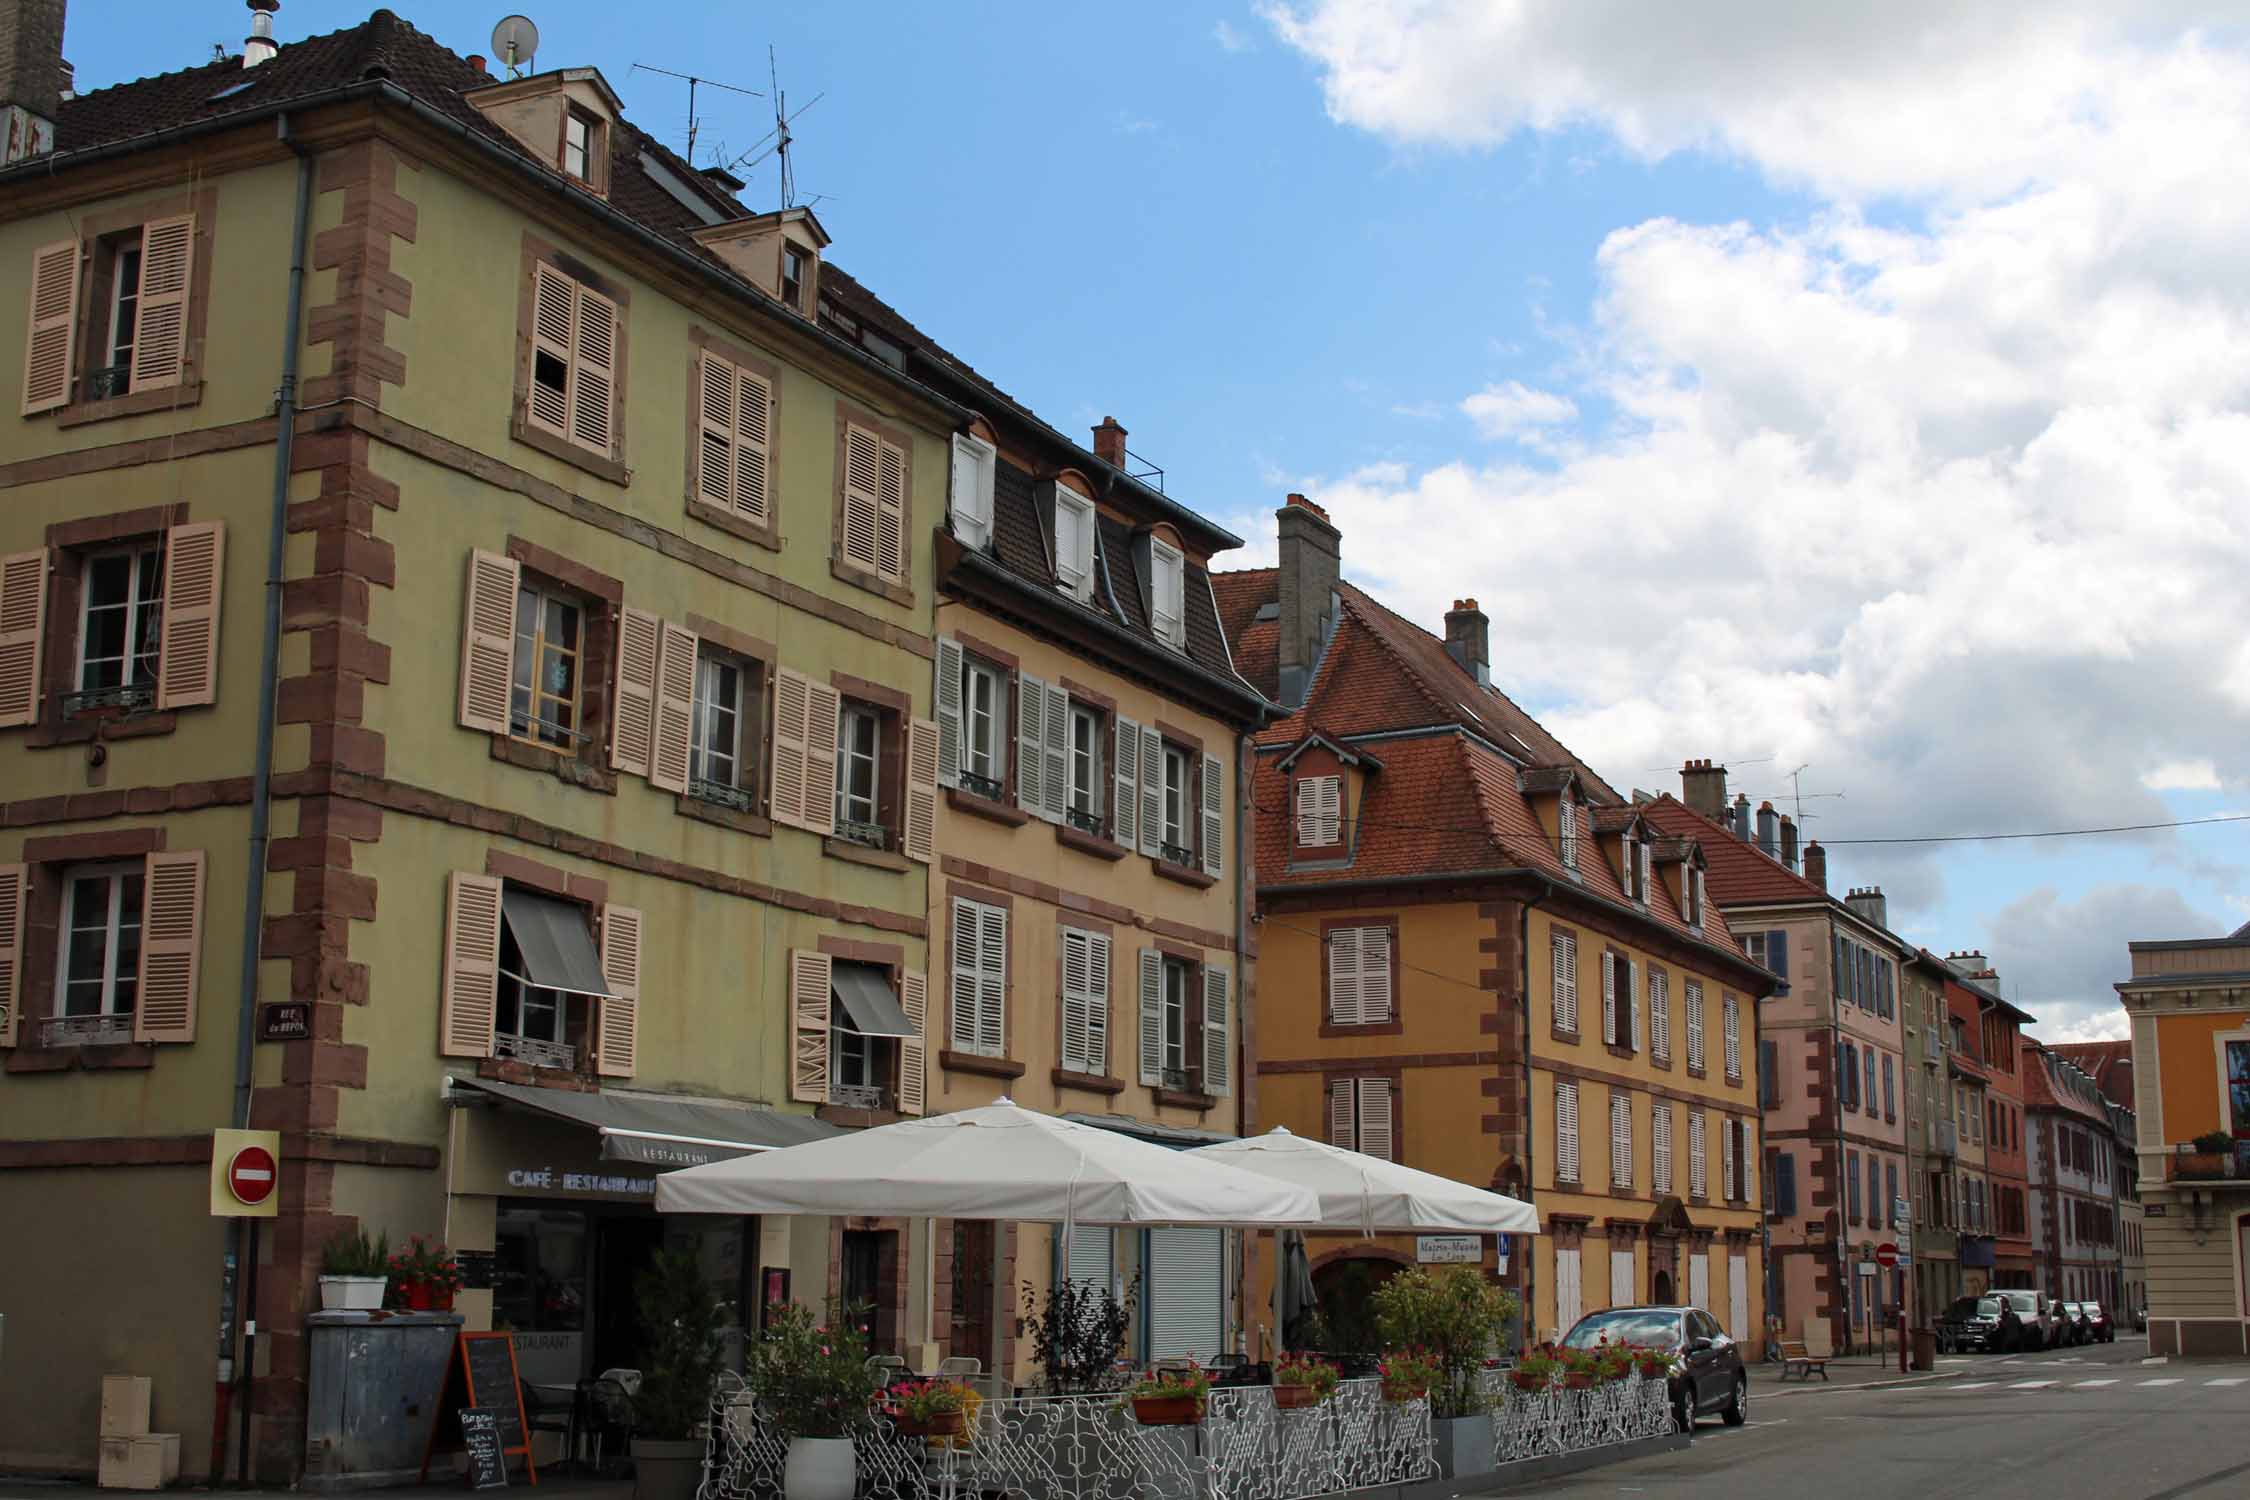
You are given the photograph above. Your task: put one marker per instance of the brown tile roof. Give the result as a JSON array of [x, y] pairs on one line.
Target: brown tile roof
[[2051, 1082], [2109, 1064], [1736, 873]]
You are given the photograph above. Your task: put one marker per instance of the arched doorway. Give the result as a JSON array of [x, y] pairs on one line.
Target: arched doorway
[[1346, 1289], [1660, 1290]]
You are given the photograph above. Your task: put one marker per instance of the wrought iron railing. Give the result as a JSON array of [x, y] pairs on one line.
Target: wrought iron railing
[[133, 697], [1175, 854], [86, 1031], [987, 787], [1084, 821], [107, 381], [868, 835], [722, 794], [856, 1095], [540, 1054], [1555, 1420]]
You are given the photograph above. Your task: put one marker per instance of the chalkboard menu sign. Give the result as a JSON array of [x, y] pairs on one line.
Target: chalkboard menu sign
[[480, 1429], [481, 1384]]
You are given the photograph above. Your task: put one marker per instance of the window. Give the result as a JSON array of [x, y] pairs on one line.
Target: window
[[1660, 1149], [1848, 1077], [1851, 1186], [1566, 1132], [543, 703], [793, 278], [124, 313], [1179, 808], [1694, 1004], [1167, 604], [1698, 1175], [1564, 996], [1620, 1139], [1890, 1102], [984, 720], [121, 626], [868, 1029], [733, 461], [725, 744], [527, 976], [1320, 811], [1566, 815], [1362, 1115], [1085, 1001], [859, 755], [1074, 543], [1730, 1147], [580, 132], [1660, 1015], [978, 951], [1086, 770], [1173, 1014], [1694, 884], [974, 465], [1359, 975], [1731, 1021], [871, 504], [99, 970], [530, 1022], [1867, 1057], [572, 392]]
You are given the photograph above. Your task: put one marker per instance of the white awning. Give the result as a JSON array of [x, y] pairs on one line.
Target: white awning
[[1372, 1195]]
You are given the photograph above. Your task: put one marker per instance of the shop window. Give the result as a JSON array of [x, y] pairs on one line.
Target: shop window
[[724, 766]]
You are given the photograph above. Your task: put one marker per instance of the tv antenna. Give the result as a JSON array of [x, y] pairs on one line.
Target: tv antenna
[[693, 83], [515, 42], [779, 136]]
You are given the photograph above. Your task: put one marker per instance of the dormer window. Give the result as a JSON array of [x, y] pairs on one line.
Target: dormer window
[[582, 134], [1167, 591], [974, 464], [793, 277], [1074, 543]]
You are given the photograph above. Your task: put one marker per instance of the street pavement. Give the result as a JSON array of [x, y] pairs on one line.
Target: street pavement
[[2090, 1421]]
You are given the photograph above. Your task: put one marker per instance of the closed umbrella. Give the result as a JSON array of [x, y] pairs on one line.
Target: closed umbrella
[[998, 1161], [1370, 1194]]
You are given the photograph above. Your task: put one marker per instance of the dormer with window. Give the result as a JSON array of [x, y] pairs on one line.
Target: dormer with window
[[1162, 564], [564, 118], [1679, 864], [1326, 782], [1624, 844], [1563, 817], [1073, 530], [778, 253], [969, 500]]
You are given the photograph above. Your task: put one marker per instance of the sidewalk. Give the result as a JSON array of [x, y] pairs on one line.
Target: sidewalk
[[1846, 1372]]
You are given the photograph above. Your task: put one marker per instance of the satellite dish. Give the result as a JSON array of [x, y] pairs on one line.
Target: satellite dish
[[515, 42]]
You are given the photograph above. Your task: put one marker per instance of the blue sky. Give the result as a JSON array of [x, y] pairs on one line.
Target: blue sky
[[1788, 391]]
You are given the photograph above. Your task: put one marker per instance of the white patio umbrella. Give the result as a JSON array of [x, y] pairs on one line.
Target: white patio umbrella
[[1370, 1194], [998, 1161]]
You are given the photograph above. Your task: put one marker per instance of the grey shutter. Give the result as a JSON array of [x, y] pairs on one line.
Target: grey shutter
[[1091, 1257], [948, 699], [1152, 1017], [1218, 1033], [1777, 956], [1346, 1002], [1212, 836], [1125, 767], [1152, 792], [1031, 745], [1633, 999], [1056, 784], [1377, 1136], [1785, 1186], [1343, 1114]]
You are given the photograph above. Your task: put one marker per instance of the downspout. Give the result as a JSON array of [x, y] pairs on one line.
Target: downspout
[[1530, 1128]]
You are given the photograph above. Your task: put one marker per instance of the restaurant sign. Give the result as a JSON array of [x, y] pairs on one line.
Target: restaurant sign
[[1449, 1249]]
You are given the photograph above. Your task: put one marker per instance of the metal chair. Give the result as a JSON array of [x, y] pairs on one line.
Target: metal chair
[[609, 1412], [551, 1414], [889, 1369]]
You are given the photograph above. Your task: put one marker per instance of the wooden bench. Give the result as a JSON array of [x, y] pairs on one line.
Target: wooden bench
[[1801, 1361]]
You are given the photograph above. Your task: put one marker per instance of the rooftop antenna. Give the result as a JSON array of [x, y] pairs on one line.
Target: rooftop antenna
[[515, 41], [693, 83], [779, 135]]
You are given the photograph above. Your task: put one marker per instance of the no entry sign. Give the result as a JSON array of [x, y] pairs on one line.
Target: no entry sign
[[245, 1174], [1886, 1255]]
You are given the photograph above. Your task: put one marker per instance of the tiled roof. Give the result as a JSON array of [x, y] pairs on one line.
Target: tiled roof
[[1737, 873], [2109, 1064], [2051, 1082]]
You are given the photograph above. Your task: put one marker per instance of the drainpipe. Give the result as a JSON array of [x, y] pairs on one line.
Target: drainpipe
[[1530, 1128], [261, 783]]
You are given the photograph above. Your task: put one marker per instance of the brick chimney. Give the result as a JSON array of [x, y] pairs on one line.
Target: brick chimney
[[32, 77], [1816, 864], [1311, 562], [1703, 787], [1468, 639], [1788, 842], [1768, 839], [1109, 443], [1869, 903]]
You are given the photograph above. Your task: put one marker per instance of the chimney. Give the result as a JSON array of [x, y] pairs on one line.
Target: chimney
[[1739, 825], [1767, 842], [476, 61], [1109, 443], [1968, 965], [1816, 864], [1703, 787], [1788, 842], [259, 46], [1468, 640], [1871, 906], [32, 77], [1311, 561]]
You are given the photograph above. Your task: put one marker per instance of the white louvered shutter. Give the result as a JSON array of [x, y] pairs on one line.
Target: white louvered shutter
[[1375, 977], [617, 1037], [1346, 1006], [1620, 1139], [171, 948], [593, 374], [914, 1051], [1376, 1136], [1699, 1280], [674, 735], [1085, 1007], [946, 693], [488, 643], [160, 317], [1567, 1293], [1694, 1002], [633, 702], [812, 988], [1152, 1016], [52, 325], [1308, 811], [1609, 996], [1697, 1178], [1660, 1014], [469, 988], [1031, 745], [963, 945], [15, 882], [1566, 1132], [1152, 792], [554, 323], [992, 978], [1565, 996], [890, 511], [862, 476], [1633, 1000], [1731, 1011], [23, 620], [1660, 1148], [1056, 778], [1125, 798], [1218, 1029], [1212, 835], [918, 826], [1343, 1113], [1621, 1277]]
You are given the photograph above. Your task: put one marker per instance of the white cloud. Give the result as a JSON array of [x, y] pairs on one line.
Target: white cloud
[[2108, 1026], [2182, 776], [1513, 410], [2058, 959], [1230, 38]]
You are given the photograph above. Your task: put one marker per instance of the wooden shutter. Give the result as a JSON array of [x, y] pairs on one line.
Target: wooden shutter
[[914, 1051], [1660, 1014], [992, 981], [918, 825], [1733, 1022], [1308, 811], [1085, 1000], [488, 643], [735, 424], [53, 325], [1343, 1113], [1609, 996], [1331, 809], [1633, 1001], [1726, 1158], [674, 731], [1152, 791], [1565, 990], [1125, 792], [1098, 947], [1697, 1177], [633, 704], [554, 322], [15, 891], [1218, 1030], [964, 941], [946, 693], [1152, 1016], [1057, 782], [890, 511], [23, 619], [791, 696], [1211, 837], [754, 413], [593, 374], [1566, 1132], [160, 318], [863, 463], [715, 430], [1346, 1003], [811, 990], [1376, 1136], [1031, 745], [1694, 1004], [1620, 1139], [469, 989], [171, 948], [1660, 1149], [188, 661], [617, 1036], [824, 708], [1375, 974]]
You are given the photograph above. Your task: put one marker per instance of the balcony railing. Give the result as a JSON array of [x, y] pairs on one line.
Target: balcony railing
[[722, 794], [987, 787], [107, 381], [1085, 822], [1175, 854], [86, 1031], [133, 698], [866, 835], [856, 1095], [1945, 1138], [2186, 1164], [540, 1054]]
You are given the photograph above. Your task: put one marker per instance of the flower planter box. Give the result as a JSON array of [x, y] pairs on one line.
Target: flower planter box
[[352, 1293], [2202, 1166], [942, 1424], [1291, 1397], [1401, 1395], [1527, 1380], [1577, 1380], [1167, 1411]]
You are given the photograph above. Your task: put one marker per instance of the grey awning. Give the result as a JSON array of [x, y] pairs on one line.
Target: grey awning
[[558, 950], [869, 1002], [1178, 1137], [659, 1129]]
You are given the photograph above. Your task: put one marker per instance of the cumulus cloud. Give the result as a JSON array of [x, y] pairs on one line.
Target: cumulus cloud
[[1514, 410], [2182, 776], [2058, 959]]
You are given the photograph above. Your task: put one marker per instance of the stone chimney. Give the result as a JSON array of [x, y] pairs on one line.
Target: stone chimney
[[1311, 562], [1703, 787], [1109, 443], [1967, 965], [1468, 640], [1788, 842], [1869, 903], [259, 46], [1768, 839], [1816, 864], [32, 77]]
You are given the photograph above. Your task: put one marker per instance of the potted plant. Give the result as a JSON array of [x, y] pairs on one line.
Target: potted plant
[[424, 1276], [929, 1408], [2213, 1157], [1536, 1370], [1612, 1362], [1653, 1363], [1407, 1376], [1456, 1316], [1303, 1380], [354, 1271], [1170, 1398], [812, 1381], [1078, 1333], [681, 1321]]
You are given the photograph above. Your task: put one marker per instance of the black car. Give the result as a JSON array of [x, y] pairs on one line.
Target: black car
[[1969, 1324], [1710, 1377]]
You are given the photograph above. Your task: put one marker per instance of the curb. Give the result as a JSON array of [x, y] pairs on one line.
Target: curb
[[1527, 1471]]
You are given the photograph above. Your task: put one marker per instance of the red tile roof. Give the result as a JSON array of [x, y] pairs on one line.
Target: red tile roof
[[2109, 1064], [2051, 1082], [1740, 873]]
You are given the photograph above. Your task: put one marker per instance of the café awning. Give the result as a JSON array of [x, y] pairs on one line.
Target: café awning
[[873, 1009], [663, 1130], [1372, 1194], [557, 949]]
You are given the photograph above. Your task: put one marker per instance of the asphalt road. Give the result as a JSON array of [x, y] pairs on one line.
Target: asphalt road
[[2092, 1422]]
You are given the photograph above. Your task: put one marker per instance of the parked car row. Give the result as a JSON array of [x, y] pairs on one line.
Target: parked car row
[[2011, 1321]]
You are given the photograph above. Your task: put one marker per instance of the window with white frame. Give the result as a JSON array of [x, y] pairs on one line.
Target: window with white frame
[[795, 272], [859, 760], [1693, 881], [1179, 807], [1565, 992], [121, 625], [1179, 977], [1660, 1015], [1639, 850], [975, 465], [124, 303], [984, 727], [1620, 1139], [1320, 811], [1660, 1149], [1362, 1115], [724, 749], [581, 132], [1698, 1178], [1693, 1002], [1566, 1132], [1074, 543], [1087, 771], [1168, 594], [1731, 1019], [99, 972], [978, 955], [531, 1021]]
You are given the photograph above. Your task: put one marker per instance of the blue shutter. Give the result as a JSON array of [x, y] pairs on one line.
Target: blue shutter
[[1836, 967], [1785, 1185], [1851, 1186]]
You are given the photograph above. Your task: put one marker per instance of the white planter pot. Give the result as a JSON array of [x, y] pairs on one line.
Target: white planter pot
[[819, 1469], [352, 1293]]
